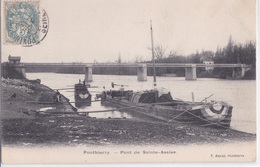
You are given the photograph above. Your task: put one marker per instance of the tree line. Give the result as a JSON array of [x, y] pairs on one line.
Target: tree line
[[232, 53]]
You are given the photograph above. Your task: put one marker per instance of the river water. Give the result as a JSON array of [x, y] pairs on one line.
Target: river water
[[241, 94]]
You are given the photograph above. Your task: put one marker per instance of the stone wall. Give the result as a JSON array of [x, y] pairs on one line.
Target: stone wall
[[13, 71]]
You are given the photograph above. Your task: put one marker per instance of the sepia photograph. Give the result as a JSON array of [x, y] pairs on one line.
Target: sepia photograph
[[128, 81]]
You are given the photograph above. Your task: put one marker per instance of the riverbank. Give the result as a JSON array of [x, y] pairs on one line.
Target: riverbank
[[21, 129], [73, 131], [26, 95]]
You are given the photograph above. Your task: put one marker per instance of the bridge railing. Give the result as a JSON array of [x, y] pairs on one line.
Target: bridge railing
[[139, 65]]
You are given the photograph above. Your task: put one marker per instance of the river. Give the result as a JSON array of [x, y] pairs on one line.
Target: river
[[241, 94]]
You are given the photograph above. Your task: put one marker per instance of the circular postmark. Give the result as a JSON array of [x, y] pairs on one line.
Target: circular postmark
[[44, 25], [25, 23]]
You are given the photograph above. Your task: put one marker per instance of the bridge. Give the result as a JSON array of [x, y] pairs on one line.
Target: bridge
[[190, 69]]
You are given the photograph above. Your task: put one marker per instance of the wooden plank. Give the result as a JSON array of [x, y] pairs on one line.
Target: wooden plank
[[49, 102]]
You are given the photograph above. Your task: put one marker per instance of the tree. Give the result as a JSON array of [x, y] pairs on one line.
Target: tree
[[172, 53], [119, 59], [229, 50], [138, 59], [159, 52]]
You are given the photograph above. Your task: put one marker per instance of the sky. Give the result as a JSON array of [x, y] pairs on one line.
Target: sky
[[101, 30]]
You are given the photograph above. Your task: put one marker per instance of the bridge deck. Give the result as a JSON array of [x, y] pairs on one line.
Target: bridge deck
[[136, 65]]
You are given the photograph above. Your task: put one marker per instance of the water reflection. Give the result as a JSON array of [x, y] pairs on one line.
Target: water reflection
[[111, 114]]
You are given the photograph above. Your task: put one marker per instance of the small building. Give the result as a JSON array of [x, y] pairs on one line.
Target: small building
[[13, 69], [14, 59]]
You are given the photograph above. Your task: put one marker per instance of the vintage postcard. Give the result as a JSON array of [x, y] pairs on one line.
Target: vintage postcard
[[112, 81]]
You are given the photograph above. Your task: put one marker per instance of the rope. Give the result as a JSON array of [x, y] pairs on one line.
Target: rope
[[177, 116], [206, 98], [185, 111], [50, 102], [145, 98], [108, 110], [212, 123], [96, 111]]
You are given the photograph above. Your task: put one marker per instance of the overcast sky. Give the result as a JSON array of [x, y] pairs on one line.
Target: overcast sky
[[89, 30]]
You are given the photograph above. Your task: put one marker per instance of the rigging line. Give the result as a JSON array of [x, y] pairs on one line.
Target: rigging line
[[96, 111], [151, 104], [74, 88], [207, 120], [51, 102], [178, 115], [63, 88], [187, 111], [118, 109], [146, 98], [210, 123], [206, 98]]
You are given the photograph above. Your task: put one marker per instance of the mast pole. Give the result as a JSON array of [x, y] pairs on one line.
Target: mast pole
[[154, 73]]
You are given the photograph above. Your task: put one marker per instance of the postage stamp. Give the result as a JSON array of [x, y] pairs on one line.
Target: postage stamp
[[25, 23]]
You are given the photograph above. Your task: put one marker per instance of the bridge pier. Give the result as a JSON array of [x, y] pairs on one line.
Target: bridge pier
[[238, 72], [142, 73], [88, 73], [190, 72]]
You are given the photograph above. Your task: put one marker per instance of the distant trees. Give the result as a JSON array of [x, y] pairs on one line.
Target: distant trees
[[232, 53], [236, 53]]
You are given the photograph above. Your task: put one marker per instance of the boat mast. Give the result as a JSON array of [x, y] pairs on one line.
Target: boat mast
[[154, 74]]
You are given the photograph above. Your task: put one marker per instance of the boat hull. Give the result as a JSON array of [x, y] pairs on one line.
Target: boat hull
[[202, 114], [82, 96], [82, 102]]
